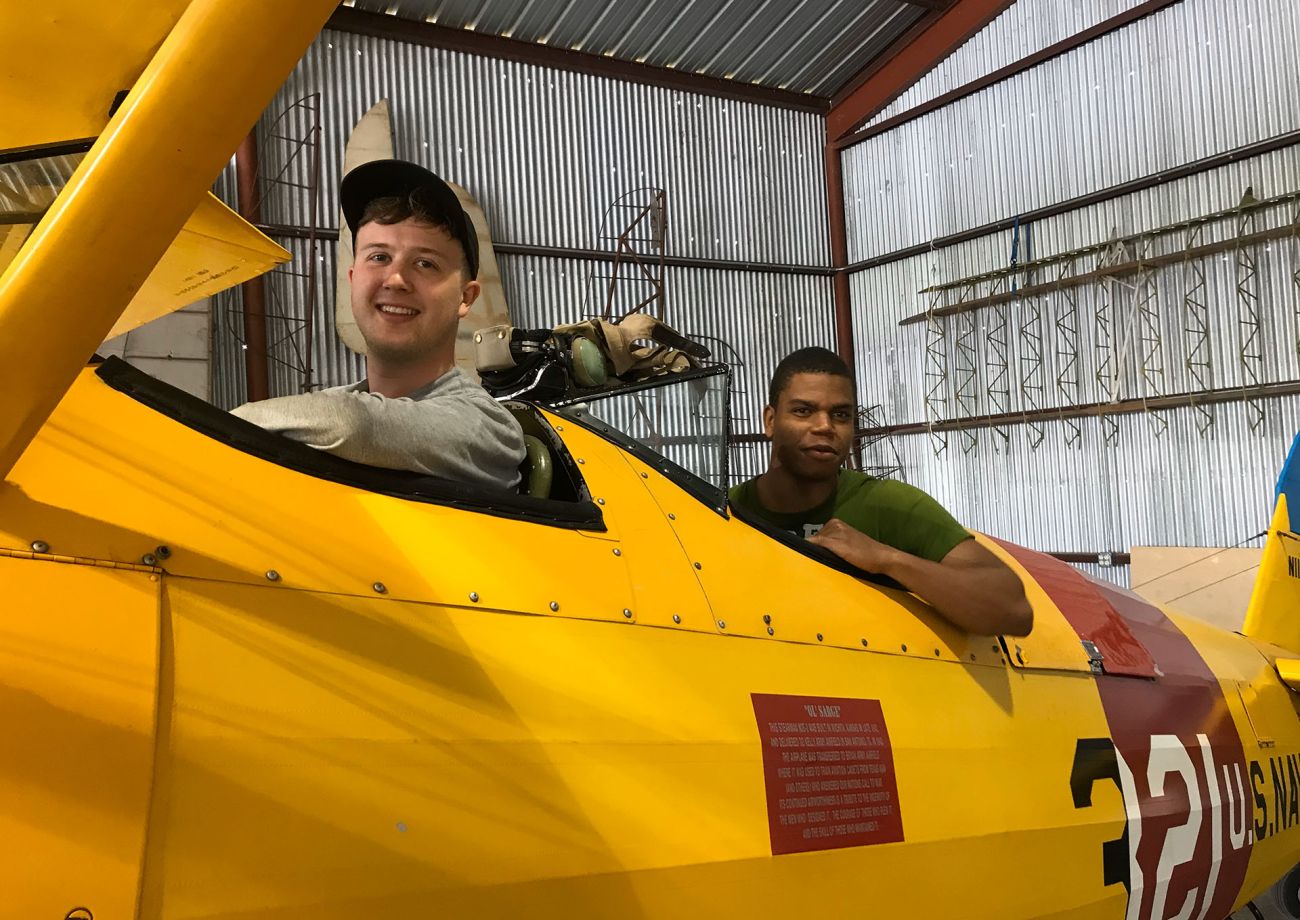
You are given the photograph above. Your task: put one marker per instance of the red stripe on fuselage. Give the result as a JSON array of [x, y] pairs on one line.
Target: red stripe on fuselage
[[1156, 726], [1088, 610]]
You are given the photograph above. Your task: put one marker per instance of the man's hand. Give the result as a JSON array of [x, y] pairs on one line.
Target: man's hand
[[971, 587], [854, 547]]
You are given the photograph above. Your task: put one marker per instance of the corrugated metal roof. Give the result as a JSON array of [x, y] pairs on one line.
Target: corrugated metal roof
[[814, 46]]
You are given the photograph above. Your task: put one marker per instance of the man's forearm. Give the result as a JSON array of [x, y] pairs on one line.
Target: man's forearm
[[980, 598]]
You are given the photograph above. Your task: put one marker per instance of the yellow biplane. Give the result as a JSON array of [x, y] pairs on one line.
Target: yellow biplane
[[242, 679]]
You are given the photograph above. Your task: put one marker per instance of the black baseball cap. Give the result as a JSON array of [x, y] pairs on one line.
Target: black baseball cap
[[400, 179]]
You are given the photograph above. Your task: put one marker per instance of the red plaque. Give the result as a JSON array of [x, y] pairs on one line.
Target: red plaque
[[829, 771]]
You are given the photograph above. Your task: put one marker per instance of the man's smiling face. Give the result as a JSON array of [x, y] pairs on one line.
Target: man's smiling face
[[409, 291], [811, 426]]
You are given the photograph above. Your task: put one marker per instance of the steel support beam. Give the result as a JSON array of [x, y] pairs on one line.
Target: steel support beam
[[381, 25], [839, 257], [253, 292], [920, 52]]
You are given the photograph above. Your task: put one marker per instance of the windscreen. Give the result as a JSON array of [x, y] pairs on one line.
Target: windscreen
[[679, 424], [27, 189]]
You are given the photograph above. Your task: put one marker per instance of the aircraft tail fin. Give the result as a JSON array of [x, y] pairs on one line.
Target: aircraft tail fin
[[1274, 612]]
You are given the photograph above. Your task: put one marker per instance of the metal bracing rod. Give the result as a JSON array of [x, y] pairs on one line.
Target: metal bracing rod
[[1030, 342], [1067, 354], [1104, 339], [1100, 249], [1150, 337], [1196, 330], [871, 419], [998, 366], [966, 384], [1295, 275], [936, 375], [1248, 323], [294, 137]]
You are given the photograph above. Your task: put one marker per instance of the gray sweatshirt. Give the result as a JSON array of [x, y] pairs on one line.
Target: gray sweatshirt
[[449, 428]]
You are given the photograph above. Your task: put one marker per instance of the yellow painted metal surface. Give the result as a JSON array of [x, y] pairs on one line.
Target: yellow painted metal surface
[[1289, 670], [65, 61], [338, 703], [325, 748], [78, 682], [1271, 614], [377, 756], [109, 478], [149, 168], [215, 250]]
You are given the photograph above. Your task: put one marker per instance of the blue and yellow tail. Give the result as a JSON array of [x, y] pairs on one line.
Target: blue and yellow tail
[[1274, 612]]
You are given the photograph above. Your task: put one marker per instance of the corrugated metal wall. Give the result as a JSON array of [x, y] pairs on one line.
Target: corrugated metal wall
[[1197, 79], [1024, 28], [546, 153]]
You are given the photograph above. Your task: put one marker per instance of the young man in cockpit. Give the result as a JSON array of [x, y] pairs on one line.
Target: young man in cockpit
[[413, 278], [881, 526]]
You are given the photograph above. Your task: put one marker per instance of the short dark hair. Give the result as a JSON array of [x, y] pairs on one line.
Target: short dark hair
[[394, 209], [811, 360]]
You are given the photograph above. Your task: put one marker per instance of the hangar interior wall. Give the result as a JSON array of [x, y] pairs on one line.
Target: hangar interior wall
[[547, 153], [1194, 80]]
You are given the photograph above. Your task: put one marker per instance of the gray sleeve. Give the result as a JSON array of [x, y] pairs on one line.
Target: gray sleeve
[[458, 436]]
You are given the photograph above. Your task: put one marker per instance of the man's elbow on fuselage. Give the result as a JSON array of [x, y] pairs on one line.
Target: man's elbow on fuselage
[[1019, 615]]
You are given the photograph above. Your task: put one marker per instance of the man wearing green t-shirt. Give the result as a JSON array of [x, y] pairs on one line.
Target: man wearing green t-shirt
[[879, 525]]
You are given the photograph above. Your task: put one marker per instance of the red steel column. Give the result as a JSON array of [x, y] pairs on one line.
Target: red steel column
[[839, 255], [254, 291]]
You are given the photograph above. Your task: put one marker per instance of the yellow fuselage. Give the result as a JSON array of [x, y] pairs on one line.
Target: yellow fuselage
[[319, 699]]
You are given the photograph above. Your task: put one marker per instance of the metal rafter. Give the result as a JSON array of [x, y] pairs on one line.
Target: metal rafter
[[1066, 321], [936, 375], [1295, 276], [998, 365], [1030, 342], [1104, 339], [966, 384], [1248, 320], [1196, 329], [917, 52], [1149, 335]]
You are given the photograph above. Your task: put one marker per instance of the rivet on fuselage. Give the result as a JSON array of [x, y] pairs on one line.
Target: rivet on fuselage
[[627, 613], [40, 546], [555, 605], [559, 427], [600, 501], [148, 559], [767, 618], [677, 617], [936, 653], [645, 475], [617, 551], [698, 566], [580, 460], [380, 588], [163, 552], [771, 631], [473, 595], [864, 643], [672, 517], [272, 575], [819, 637], [722, 624], [904, 648]]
